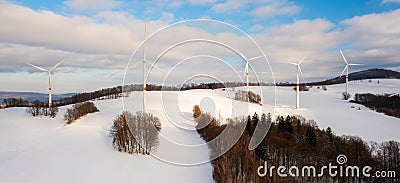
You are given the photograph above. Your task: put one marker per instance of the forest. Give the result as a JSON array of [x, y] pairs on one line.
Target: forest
[[292, 141]]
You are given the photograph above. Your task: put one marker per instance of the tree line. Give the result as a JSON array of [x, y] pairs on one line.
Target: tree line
[[380, 103], [291, 141]]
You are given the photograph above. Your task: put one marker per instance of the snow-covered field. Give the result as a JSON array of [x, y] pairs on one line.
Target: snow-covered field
[[44, 150]]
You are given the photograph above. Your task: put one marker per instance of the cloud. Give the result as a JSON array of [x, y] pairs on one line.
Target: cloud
[[390, 1], [373, 39], [258, 9], [106, 41], [85, 5], [275, 8], [167, 17], [256, 28], [201, 2], [231, 6]]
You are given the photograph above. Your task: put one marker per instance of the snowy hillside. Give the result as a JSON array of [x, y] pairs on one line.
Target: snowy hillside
[[44, 150]]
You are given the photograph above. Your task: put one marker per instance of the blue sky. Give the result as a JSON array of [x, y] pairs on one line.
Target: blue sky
[[334, 11], [96, 38]]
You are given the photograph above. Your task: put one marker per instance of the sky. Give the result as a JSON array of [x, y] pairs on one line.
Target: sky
[[98, 38]]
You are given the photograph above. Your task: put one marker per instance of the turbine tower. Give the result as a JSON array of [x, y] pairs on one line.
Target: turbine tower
[[49, 74], [246, 70], [144, 61], [297, 81], [346, 68]]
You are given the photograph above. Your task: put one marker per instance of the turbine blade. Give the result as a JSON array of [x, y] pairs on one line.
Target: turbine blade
[[37, 67], [343, 71], [123, 70], [344, 58], [302, 60], [56, 65], [356, 64], [291, 63], [301, 72], [255, 58], [156, 67]]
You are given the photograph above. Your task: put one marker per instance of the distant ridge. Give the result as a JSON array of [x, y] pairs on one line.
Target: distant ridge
[[360, 75], [32, 96]]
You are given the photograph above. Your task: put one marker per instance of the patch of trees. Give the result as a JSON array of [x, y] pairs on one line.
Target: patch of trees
[[79, 110], [135, 133], [380, 103], [302, 88], [248, 96], [15, 102], [38, 108], [346, 96], [293, 141]]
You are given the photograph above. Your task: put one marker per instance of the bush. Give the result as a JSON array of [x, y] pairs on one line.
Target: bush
[[79, 110], [135, 133], [346, 96]]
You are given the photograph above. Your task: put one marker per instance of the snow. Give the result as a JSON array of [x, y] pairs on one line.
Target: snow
[[44, 150]]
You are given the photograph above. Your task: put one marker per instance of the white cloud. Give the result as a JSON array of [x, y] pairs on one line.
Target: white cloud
[[202, 2], [167, 17], [230, 6], [256, 28], [258, 9], [275, 8], [86, 5], [107, 40], [390, 1], [374, 38]]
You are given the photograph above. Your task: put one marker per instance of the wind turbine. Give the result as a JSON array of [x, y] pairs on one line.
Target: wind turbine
[[144, 61], [346, 68], [246, 70], [297, 82], [49, 73]]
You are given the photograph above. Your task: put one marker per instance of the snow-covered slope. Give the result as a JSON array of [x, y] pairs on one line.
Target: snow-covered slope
[[329, 110], [44, 150]]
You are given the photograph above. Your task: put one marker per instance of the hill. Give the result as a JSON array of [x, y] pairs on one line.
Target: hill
[[361, 75], [32, 96]]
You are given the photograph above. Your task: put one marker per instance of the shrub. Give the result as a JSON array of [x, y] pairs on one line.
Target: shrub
[[346, 96]]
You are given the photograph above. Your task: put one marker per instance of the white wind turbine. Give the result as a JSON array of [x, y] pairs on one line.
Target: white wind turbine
[[297, 81], [49, 73], [144, 61], [246, 70], [346, 68]]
